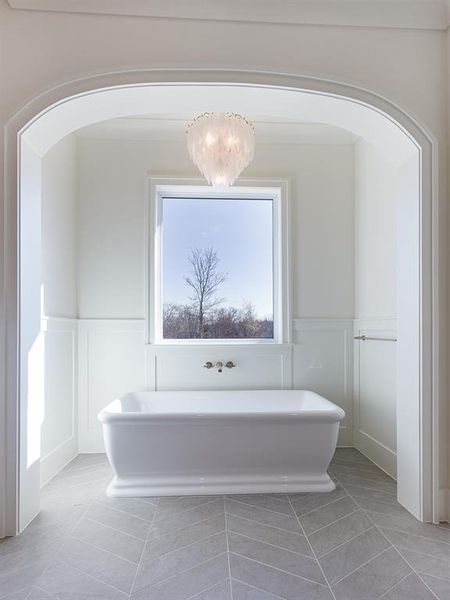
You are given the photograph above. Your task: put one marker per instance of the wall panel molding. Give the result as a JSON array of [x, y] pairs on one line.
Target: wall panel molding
[[59, 444], [375, 413], [323, 362]]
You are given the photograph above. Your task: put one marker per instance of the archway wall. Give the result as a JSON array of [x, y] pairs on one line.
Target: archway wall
[[408, 68]]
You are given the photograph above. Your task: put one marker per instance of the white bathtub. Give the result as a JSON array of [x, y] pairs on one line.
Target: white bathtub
[[221, 442]]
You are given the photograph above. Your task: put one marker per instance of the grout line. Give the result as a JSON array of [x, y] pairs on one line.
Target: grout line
[[230, 497], [346, 495], [447, 581], [423, 537], [203, 539], [332, 522], [175, 575], [249, 537], [142, 540], [414, 571], [75, 537], [259, 562], [123, 512], [228, 549], [399, 553], [314, 554], [265, 524], [395, 585], [366, 562], [69, 534], [133, 584], [75, 568], [159, 535], [347, 541], [276, 597], [181, 512], [232, 514], [260, 508], [211, 587]]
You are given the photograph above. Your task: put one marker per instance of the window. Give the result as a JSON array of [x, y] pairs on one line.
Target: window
[[216, 264]]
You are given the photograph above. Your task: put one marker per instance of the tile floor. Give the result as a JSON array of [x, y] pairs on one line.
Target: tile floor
[[356, 543]]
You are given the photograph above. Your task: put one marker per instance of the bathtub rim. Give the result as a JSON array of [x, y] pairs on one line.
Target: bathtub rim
[[330, 414]]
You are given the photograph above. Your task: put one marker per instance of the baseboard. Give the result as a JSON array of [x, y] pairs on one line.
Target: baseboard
[[57, 459], [378, 453]]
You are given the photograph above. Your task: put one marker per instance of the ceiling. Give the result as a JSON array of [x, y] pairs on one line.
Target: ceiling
[[414, 14], [171, 128]]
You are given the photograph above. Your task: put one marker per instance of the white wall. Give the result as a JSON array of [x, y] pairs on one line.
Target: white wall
[[112, 200], [59, 294], [376, 189], [111, 278]]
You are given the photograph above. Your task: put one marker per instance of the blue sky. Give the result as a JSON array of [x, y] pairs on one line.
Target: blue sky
[[240, 230]]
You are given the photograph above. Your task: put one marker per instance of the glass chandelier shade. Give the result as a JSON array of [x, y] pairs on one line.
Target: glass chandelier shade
[[221, 145]]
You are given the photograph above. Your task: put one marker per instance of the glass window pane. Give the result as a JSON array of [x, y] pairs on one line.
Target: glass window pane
[[217, 268]]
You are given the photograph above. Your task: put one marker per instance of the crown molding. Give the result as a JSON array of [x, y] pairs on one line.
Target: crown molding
[[410, 14]]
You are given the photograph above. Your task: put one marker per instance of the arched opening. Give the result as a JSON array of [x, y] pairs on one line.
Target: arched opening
[[383, 126]]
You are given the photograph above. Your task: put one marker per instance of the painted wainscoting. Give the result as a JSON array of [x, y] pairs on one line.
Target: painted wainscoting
[[323, 362], [114, 359], [59, 443], [375, 419]]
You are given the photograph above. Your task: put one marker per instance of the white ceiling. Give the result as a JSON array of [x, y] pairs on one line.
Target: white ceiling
[[416, 14], [172, 128]]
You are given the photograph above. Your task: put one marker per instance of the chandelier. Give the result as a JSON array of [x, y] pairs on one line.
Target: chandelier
[[221, 145]]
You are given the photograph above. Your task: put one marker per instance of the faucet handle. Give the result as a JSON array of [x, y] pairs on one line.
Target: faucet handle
[[208, 365], [230, 364]]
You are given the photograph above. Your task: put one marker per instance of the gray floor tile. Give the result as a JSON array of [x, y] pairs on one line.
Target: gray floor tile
[[373, 579], [105, 566], [133, 506], [285, 560], [367, 471], [427, 564], [22, 595], [221, 591], [38, 594], [408, 524], [185, 555], [440, 587], [310, 502], [362, 492], [119, 520], [187, 517], [328, 538], [386, 486], [410, 588], [382, 507], [15, 581], [161, 544], [187, 584], [270, 502], [28, 556], [167, 565], [241, 591], [272, 535], [418, 544], [105, 538], [328, 514], [266, 517], [66, 583], [269, 579], [168, 507], [338, 563]]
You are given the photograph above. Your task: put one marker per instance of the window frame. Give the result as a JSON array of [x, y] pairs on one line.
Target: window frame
[[273, 189]]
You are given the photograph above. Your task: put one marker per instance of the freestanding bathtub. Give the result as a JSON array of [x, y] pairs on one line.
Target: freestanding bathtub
[[220, 442]]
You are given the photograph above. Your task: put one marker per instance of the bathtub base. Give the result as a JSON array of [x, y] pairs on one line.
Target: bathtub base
[[146, 487]]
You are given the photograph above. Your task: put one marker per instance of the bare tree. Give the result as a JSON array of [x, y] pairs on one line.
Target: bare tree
[[205, 280]]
